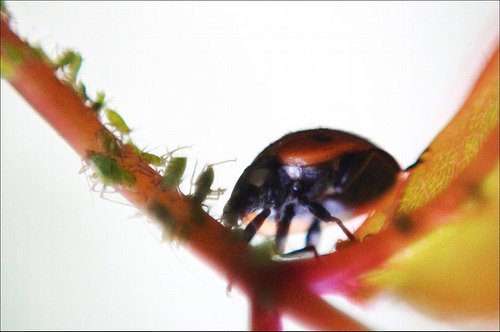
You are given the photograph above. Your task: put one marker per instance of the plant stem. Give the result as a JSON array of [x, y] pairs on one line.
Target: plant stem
[[264, 318], [262, 279], [316, 312]]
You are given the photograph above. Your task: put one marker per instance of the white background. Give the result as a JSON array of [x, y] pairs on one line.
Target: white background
[[228, 78]]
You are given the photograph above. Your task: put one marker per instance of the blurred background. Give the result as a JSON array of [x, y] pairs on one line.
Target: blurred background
[[227, 78]]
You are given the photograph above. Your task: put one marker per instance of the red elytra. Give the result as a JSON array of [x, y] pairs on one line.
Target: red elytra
[[311, 147]]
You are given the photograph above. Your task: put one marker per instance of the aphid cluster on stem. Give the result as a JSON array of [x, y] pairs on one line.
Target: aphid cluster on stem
[[114, 142], [172, 175], [68, 65], [174, 169]]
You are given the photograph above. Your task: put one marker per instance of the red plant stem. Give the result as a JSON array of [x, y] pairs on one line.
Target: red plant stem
[[317, 313], [54, 101], [264, 317], [79, 126], [208, 239]]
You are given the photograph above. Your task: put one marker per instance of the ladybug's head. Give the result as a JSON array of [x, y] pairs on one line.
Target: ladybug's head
[[258, 187], [244, 200]]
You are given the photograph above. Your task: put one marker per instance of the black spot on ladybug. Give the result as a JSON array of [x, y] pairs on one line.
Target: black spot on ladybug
[[404, 224], [322, 138]]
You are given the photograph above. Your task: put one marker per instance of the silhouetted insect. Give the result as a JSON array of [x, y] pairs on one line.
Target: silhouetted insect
[[318, 175], [203, 185], [174, 170]]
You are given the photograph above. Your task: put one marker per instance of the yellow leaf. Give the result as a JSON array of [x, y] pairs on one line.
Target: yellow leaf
[[451, 205], [457, 144], [453, 271]]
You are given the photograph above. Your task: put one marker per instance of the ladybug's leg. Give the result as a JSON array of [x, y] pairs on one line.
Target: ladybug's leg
[[322, 214], [311, 241], [283, 227], [312, 236], [255, 224], [306, 252]]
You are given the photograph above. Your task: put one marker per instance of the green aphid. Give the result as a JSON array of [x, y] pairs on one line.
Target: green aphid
[[11, 58], [3, 8], [98, 103], [128, 178], [71, 61], [117, 121], [172, 229], [110, 143], [106, 168], [109, 171], [64, 59], [81, 90], [203, 184], [164, 217], [68, 58], [173, 173], [150, 158]]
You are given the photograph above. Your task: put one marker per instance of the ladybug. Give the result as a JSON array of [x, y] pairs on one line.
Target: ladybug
[[318, 175]]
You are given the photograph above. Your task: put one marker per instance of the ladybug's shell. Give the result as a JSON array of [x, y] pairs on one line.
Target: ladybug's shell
[[342, 172], [314, 146]]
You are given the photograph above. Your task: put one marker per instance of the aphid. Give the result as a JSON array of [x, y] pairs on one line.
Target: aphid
[[150, 158], [109, 171], [204, 183], [66, 58], [106, 172], [98, 103], [110, 143], [81, 90], [4, 13], [318, 175], [174, 170], [117, 121], [69, 61]]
